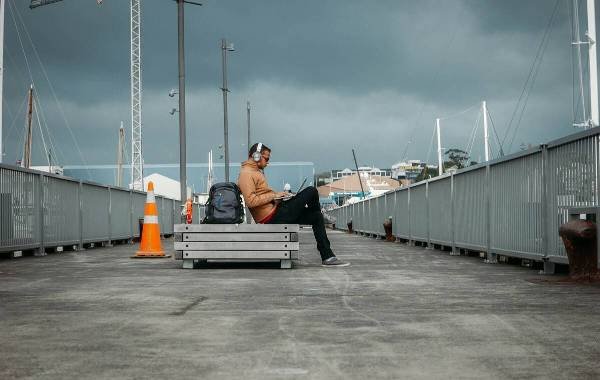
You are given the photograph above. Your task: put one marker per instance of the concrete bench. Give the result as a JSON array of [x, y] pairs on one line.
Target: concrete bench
[[236, 242]]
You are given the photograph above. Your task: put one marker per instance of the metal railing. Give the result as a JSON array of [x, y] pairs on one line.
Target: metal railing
[[40, 210], [511, 206]]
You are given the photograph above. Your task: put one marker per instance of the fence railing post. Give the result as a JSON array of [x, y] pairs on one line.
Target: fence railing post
[[452, 222], [545, 222], [490, 256], [385, 197], [41, 251], [109, 244], [427, 214], [410, 239], [80, 198], [131, 216], [362, 215], [395, 232]]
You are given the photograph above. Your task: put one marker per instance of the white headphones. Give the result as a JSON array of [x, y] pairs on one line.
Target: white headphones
[[257, 153]]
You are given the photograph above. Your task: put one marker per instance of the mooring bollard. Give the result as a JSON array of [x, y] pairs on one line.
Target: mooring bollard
[[387, 226], [579, 238], [349, 224]]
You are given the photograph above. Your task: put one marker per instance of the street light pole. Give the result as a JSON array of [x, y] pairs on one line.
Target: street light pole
[[224, 49], [182, 138]]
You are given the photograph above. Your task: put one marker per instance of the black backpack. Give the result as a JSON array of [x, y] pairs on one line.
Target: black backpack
[[224, 205]]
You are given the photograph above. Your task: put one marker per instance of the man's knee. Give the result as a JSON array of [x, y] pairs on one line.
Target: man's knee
[[312, 191]]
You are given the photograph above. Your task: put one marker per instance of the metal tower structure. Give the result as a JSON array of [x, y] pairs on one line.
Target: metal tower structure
[[137, 160]]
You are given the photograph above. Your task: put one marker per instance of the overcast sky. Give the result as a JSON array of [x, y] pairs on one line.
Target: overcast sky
[[323, 77]]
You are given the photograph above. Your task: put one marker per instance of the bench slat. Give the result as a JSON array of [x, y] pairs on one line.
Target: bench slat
[[220, 228], [236, 246], [255, 255], [235, 236]]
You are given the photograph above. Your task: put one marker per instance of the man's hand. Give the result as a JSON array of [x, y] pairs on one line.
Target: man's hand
[[280, 194]]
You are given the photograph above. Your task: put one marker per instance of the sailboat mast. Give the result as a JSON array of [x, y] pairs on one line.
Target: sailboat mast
[[439, 144], [209, 180], [120, 156], [591, 34], [486, 134], [28, 140]]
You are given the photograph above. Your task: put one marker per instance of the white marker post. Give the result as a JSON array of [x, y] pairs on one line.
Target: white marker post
[[439, 144], [486, 135]]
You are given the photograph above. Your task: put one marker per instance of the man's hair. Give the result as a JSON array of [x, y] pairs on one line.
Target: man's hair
[[263, 149]]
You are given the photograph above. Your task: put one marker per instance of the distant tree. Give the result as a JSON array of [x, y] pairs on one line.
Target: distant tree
[[426, 173], [456, 158]]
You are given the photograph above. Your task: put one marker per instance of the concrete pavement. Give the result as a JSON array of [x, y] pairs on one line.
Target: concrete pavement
[[397, 312]]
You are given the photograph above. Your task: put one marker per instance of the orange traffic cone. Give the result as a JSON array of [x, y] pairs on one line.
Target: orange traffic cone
[[150, 246]]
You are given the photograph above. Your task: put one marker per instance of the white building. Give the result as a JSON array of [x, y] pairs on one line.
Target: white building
[[49, 169], [339, 174], [408, 169], [164, 186]]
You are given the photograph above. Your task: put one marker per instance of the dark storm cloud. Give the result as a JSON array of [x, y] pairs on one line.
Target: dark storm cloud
[[325, 75]]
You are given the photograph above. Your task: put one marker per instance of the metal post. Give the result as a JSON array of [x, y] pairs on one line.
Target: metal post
[[224, 49], [548, 266], [439, 144], [427, 214], [490, 257], [1, 74], [385, 210], [486, 136], [394, 221], [109, 218], [41, 213], [409, 225], [591, 33], [182, 139], [452, 226], [80, 198], [248, 120], [131, 215], [173, 213]]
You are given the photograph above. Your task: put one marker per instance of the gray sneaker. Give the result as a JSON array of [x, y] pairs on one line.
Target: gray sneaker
[[334, 262]]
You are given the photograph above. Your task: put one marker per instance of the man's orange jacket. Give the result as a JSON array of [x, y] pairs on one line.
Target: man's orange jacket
[[259, 197]]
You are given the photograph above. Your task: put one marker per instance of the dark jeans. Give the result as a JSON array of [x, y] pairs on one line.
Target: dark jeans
[[304, 208]]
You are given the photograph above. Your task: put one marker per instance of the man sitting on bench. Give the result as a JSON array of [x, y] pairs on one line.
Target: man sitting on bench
[[270, 207]]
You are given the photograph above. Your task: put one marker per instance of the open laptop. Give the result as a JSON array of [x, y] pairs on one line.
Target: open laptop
[[291, 195]]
